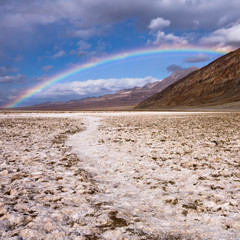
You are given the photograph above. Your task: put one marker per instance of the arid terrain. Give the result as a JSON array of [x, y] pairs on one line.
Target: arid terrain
[[124, 99], [217, 84], [120, 175]]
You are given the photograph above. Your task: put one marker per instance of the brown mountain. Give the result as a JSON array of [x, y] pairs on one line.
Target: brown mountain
[[216, 85], [123, 99]]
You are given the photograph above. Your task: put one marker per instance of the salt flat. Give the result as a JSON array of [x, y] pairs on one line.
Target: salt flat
[[123, 175]]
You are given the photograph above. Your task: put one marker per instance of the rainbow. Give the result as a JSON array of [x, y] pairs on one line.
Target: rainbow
[[103, 61]]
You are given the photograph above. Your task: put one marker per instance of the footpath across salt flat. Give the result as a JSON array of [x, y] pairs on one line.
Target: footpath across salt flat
[[172, 173]]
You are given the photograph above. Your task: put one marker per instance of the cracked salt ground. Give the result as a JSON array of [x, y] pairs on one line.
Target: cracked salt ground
[[176, 191], [136, 176]]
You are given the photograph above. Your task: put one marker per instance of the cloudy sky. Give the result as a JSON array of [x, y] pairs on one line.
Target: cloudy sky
[[40, 38]]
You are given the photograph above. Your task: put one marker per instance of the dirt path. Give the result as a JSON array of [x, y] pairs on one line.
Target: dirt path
[[132, 196]]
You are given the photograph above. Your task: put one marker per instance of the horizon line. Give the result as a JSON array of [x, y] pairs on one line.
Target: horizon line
[[102, 61]]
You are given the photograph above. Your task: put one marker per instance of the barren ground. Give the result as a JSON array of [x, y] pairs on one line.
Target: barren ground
[[120, 176]]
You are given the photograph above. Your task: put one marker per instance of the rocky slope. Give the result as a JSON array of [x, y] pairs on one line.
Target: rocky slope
[[217, 84], [125, 98]]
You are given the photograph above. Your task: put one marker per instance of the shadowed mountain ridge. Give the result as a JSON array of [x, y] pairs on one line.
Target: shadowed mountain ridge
[[217, 84], [123, 99]]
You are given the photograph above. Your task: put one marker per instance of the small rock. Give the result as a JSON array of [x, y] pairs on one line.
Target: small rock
[[4, 173], [29, 234]]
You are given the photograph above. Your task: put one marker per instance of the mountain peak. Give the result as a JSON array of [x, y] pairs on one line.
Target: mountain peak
[[218, 83], [121, 99]]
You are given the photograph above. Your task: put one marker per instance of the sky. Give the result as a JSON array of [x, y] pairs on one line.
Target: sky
[[40, 39]]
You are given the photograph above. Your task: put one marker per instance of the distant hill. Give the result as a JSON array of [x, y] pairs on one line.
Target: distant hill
[[215, 85], [123, 99]]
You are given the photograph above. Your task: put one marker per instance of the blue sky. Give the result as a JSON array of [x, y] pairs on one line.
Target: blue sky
[[40, 38]]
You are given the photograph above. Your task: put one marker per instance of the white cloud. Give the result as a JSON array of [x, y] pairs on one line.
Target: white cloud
[[83, 48], [165, 39], [86, 50], [224, 37], [160, 37], [158, 24], [86, 33], [38, 79], [47, 68], [59, 54], [95, 87], [83, 33], [83, 45], [10, 79]]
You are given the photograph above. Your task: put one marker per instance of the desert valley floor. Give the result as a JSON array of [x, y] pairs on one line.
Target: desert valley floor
[[122, 175]]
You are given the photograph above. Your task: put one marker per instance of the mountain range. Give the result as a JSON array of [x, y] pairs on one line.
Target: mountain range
[[216, 85], [123, 99]]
